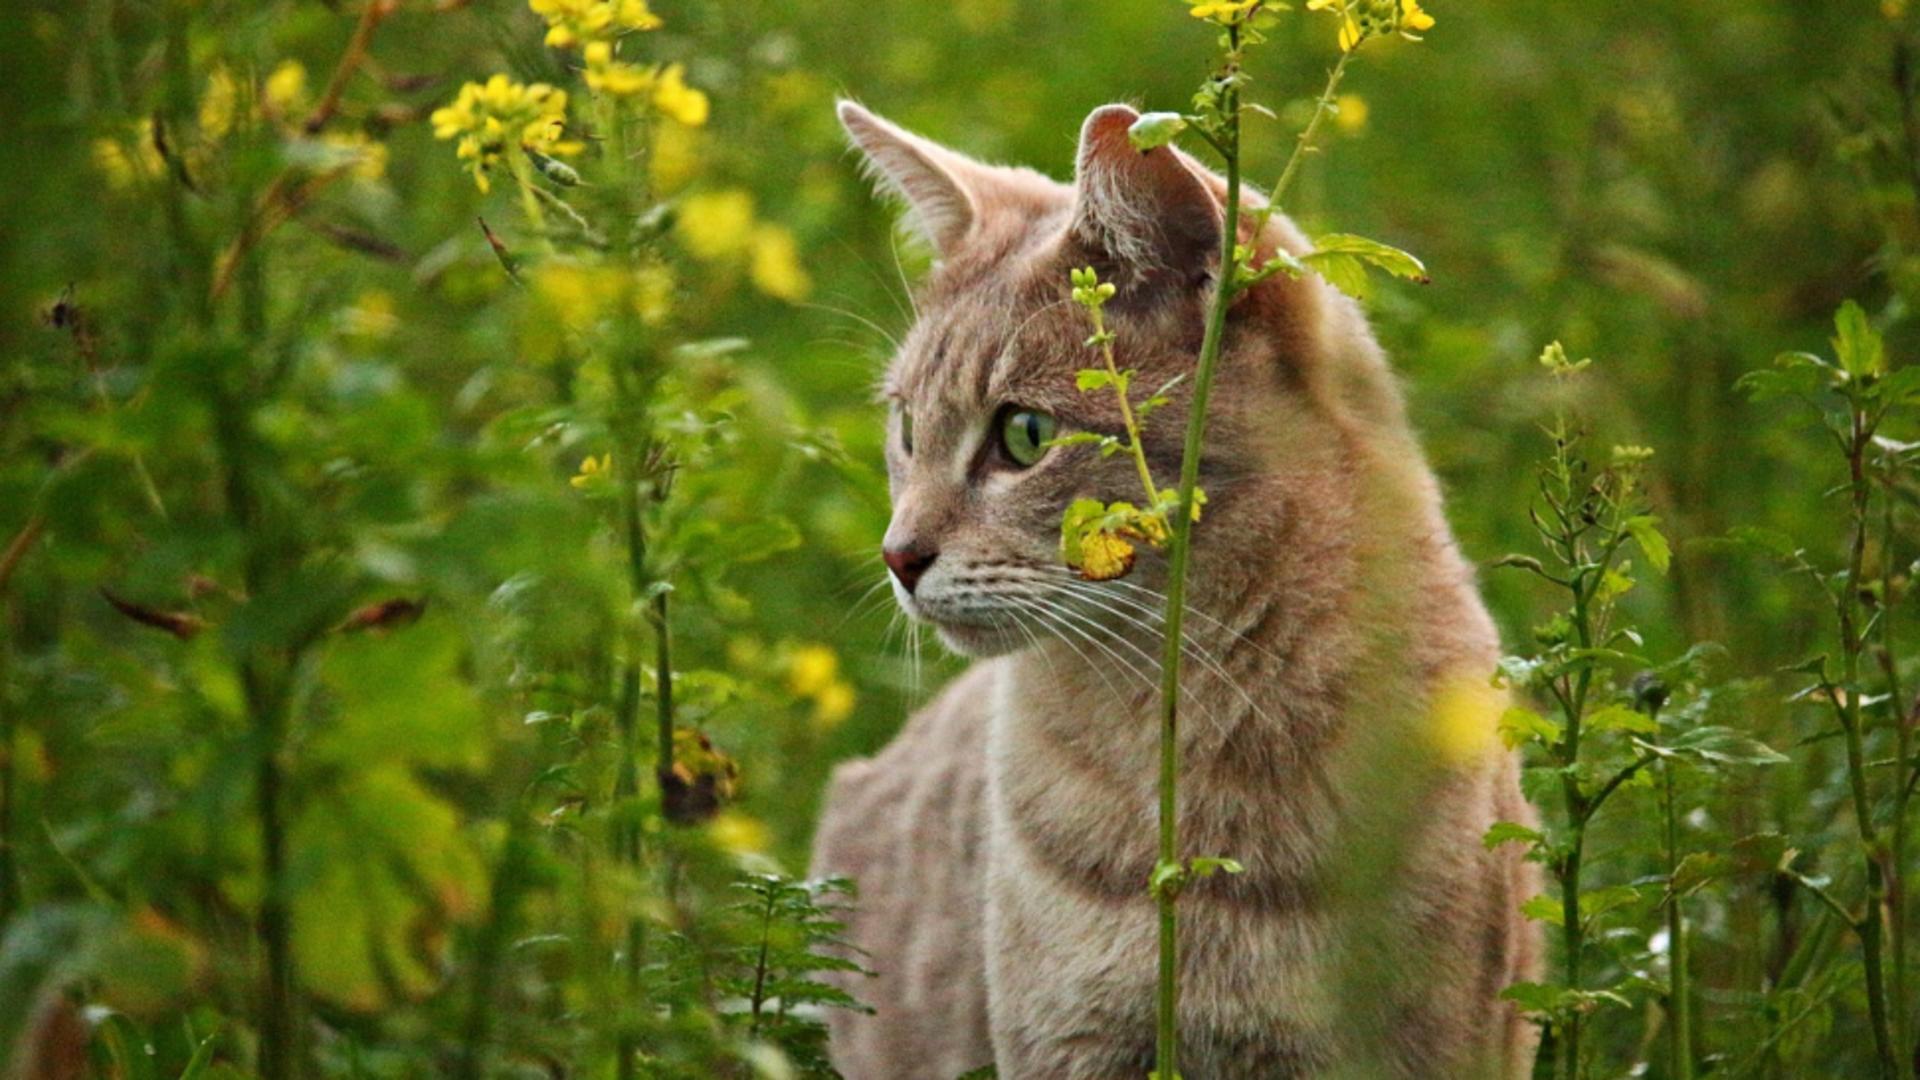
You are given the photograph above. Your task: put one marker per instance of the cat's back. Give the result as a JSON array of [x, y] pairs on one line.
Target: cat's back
[[907, 825]]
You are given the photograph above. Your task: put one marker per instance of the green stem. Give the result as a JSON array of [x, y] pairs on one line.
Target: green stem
[[1870, 925], [1126, 407], [9, 771], [1679, 1009], [1903, 754], [1322, 107], [1179, 549]]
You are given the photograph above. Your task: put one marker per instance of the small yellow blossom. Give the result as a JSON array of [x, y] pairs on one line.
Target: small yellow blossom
[[573, 22], [1464, 718], [1412, 18], [1224, 12], [676, 100], [715, 224], [127, 162], [832, 705], [774, 263], [1350, 113], [491, 119], [617, 77], [285, 91], [593, 470], [739, 834], [1104, 557], [811, 669], [218, 105], [362, 157]]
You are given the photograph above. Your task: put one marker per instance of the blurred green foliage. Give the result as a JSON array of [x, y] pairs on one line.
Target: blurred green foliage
[[337, 494]]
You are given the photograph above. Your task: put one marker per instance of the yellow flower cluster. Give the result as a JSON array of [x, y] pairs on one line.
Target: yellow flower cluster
[[572, 22], [813, 673], [665, 86], [1363, 19], [490, 119], [720, 226]]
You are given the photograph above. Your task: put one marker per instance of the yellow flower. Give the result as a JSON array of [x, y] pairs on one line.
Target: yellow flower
[[491, 119], [218, 105], [593, 471], [610, 76], [715, 225], [126, 165], [363, 157], [1104, 557], [739, 834], [1224, 12], [285, 91], [1464, 718], [1350, 113], [1412, 18], [811, 669], [1351, 34], [572, 22], [832, 705], [775, 264], [678, 101]]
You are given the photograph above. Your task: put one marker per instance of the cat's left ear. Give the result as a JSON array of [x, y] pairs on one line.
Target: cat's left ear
[[1149, 212]]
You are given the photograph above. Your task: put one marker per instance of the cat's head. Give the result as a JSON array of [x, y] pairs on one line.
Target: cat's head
[[986, 375]]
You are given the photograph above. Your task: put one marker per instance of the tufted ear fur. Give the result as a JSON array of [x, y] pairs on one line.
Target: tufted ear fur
[[944, 190], [1149, 212]]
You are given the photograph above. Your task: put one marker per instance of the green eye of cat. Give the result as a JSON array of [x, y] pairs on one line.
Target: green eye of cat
[[1025, 434]]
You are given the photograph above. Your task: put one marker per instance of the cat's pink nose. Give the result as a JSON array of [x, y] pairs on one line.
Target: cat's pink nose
[[908, 563]]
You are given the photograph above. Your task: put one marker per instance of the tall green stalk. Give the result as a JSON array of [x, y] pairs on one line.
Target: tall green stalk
[[1679, 1008], [1853, 641], [1179, 549]]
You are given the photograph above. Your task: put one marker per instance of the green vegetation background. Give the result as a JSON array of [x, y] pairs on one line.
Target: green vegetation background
[[1680, 190]]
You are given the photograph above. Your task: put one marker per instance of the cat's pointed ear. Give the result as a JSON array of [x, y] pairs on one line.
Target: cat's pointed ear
[[1150, 212], [936, 183]]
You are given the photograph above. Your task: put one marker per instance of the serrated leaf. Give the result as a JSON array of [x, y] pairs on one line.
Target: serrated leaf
[[1343, 259], [1510, 832], [1544, 908], [1520, 725], [1645, 530], [1089, 379]]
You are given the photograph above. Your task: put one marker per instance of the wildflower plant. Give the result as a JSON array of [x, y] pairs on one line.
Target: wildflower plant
[[1101, 540], [1606, 731]]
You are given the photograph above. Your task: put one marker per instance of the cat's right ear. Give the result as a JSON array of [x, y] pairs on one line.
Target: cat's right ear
[[932, 180]]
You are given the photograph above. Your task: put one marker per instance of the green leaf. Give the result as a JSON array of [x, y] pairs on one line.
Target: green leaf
[[1510, 832], [1620, 718], [1544, 908], [1520, 725], [1644, 529], [1090, 379], [1715, 745], [1857, 343], [1343, 259], [1155, 129]]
